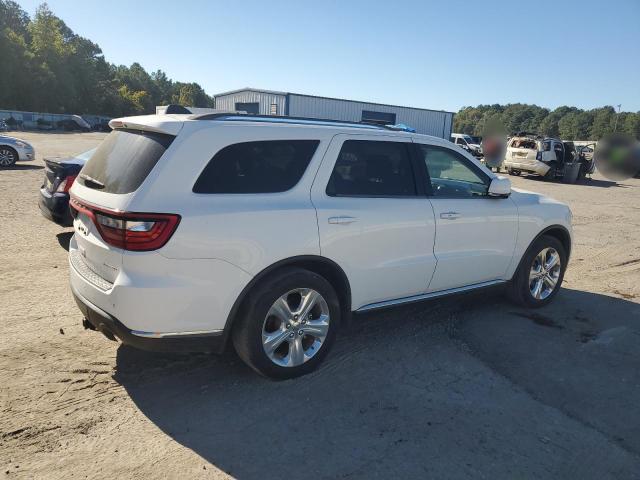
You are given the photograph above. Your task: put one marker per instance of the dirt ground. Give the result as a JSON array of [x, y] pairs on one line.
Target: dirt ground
[[470, 387]]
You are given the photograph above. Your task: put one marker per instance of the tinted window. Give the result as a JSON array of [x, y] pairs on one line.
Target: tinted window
[[257, 167], [450, 174], [123, 160], [368, 168]]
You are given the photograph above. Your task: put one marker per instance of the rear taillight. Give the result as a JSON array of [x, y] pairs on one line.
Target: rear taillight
[[130, 231], [66, 184], [539, 156]]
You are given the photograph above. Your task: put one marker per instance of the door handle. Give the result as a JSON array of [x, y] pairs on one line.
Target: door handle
[[341, 220], [450, 215]]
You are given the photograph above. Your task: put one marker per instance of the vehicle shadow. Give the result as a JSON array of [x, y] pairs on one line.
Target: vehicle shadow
[[64, 238], [396, 398], [589, 182], [23, 167]]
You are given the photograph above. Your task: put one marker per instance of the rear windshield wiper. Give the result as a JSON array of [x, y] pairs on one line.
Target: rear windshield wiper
[[91, 182]]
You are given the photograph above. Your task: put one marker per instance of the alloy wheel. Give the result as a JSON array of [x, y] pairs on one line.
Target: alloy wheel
[[544, 273], [6, 157], [295, 327]]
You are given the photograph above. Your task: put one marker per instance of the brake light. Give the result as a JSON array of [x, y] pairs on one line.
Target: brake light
[[130, 231], [539, 156], [66, 184]]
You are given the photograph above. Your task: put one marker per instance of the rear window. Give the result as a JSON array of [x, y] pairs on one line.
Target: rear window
[[123, 160], [526, 143], [257, 167]]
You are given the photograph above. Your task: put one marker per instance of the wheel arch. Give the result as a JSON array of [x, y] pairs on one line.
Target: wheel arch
[[322, 266], [559, 232]]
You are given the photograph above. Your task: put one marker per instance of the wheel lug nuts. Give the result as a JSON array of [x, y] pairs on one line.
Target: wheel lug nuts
[[288, 325], [291, 335], [300, 332]]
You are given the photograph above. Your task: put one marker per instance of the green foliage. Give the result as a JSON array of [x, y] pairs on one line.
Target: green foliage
[[568, 123], [47, 67]]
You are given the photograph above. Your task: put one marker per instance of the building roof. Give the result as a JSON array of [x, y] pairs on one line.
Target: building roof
[[275, 92]]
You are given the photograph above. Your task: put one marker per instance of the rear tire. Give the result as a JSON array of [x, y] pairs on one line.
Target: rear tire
[[277, 333], [539, 276], [8, 157]]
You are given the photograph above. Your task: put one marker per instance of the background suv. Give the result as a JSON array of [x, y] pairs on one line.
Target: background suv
[[194, 229]]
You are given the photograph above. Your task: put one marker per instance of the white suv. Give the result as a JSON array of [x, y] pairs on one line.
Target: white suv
[[194, 229]]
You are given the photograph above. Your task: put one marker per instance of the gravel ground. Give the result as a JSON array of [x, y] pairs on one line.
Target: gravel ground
[[469, 387]]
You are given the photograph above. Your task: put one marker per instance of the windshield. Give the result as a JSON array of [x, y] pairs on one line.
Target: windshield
[[468, 139], [123, 160]]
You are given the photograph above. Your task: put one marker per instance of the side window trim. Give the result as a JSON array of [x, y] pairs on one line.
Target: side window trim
[[410, 152], [465, 161]]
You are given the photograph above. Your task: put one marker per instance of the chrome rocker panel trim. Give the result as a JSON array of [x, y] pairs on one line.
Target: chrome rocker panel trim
[[426, 296]]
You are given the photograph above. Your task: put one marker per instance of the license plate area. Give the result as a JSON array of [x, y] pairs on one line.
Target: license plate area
[[83, 224]]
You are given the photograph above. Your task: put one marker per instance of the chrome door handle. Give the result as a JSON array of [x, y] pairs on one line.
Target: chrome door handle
[[450, 215], [341, 220]]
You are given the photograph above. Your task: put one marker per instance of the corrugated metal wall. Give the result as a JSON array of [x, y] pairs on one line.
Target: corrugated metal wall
[[265, 99], [428, 122]]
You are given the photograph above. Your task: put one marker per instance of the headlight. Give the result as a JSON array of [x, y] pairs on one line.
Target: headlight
[[21, 144]]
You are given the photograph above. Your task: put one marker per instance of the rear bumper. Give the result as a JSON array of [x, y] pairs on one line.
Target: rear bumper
[[112, 328], [55, 207], [534, 166], [159, 303]]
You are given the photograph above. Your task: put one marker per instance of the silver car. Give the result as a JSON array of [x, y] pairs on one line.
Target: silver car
[[14, 150]]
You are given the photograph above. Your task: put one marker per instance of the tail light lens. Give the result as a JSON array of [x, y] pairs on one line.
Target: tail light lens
[[139, 232], [66, 184], [539, 156]]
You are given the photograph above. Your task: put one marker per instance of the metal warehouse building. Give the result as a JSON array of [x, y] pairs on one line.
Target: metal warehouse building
[[265, 102]]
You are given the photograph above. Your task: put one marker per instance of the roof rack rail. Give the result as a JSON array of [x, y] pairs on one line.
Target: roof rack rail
[[280, 119]]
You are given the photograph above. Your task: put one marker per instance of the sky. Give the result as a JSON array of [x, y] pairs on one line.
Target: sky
[[431, 54]]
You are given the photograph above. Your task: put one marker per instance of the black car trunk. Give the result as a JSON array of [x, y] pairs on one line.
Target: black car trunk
[[56, 170]]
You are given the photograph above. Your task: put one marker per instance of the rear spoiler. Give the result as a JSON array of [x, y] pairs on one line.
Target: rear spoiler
[[148, 123]]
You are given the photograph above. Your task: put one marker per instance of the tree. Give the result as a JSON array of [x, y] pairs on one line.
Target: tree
[[603, 120]]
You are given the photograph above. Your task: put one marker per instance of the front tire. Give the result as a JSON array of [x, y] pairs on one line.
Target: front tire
[[539, 274], [8, 157], [287, 324]]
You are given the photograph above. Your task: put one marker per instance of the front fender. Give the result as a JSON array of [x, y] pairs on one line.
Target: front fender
[[537, 215]]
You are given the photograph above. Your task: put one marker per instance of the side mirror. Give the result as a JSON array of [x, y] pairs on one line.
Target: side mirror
[[500, 187]]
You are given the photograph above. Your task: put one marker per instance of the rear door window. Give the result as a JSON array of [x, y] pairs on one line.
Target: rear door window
[[123, 160], [372, 169], [257, 167]]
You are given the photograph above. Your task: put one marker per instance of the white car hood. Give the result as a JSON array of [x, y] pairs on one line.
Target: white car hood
[[526, 197]]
